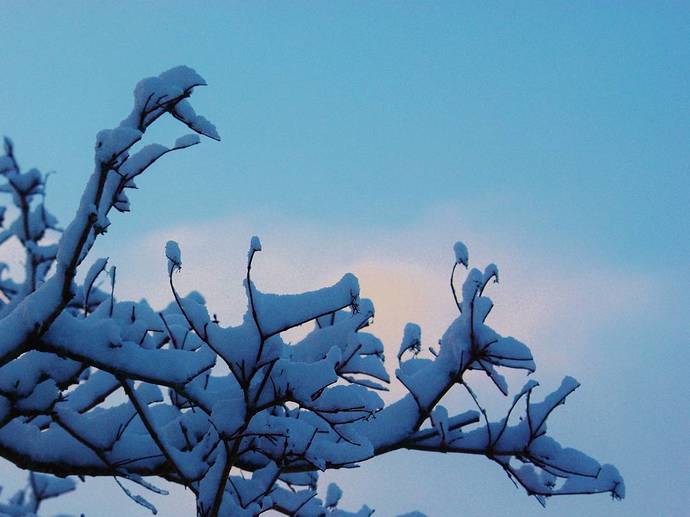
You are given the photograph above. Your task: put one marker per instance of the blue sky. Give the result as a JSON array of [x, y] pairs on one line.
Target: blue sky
[[551, 137]]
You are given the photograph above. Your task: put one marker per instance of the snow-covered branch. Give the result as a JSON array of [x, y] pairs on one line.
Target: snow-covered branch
[[27, 501], [93, 386]]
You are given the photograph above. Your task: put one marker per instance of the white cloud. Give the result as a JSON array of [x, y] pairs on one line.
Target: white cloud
[[552, 302]]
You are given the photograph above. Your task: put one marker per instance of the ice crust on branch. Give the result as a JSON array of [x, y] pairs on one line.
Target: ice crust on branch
[[94, 386]]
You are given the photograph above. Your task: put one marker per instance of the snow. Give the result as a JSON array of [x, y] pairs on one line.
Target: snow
[[333, 495], [228, 415], [172, 253], [96, 269], [539, 412], [46, 486], [111, 143], [187, 141], [461, 253], [254, 246], [281, 312], [183, 111], [490, 271], [142, 159], [90, 384], [412, 339]]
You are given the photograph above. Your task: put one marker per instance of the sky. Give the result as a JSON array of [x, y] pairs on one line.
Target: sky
[[551, 137]]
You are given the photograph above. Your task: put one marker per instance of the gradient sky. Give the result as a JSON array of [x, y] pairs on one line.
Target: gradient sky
[[551, 137]]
